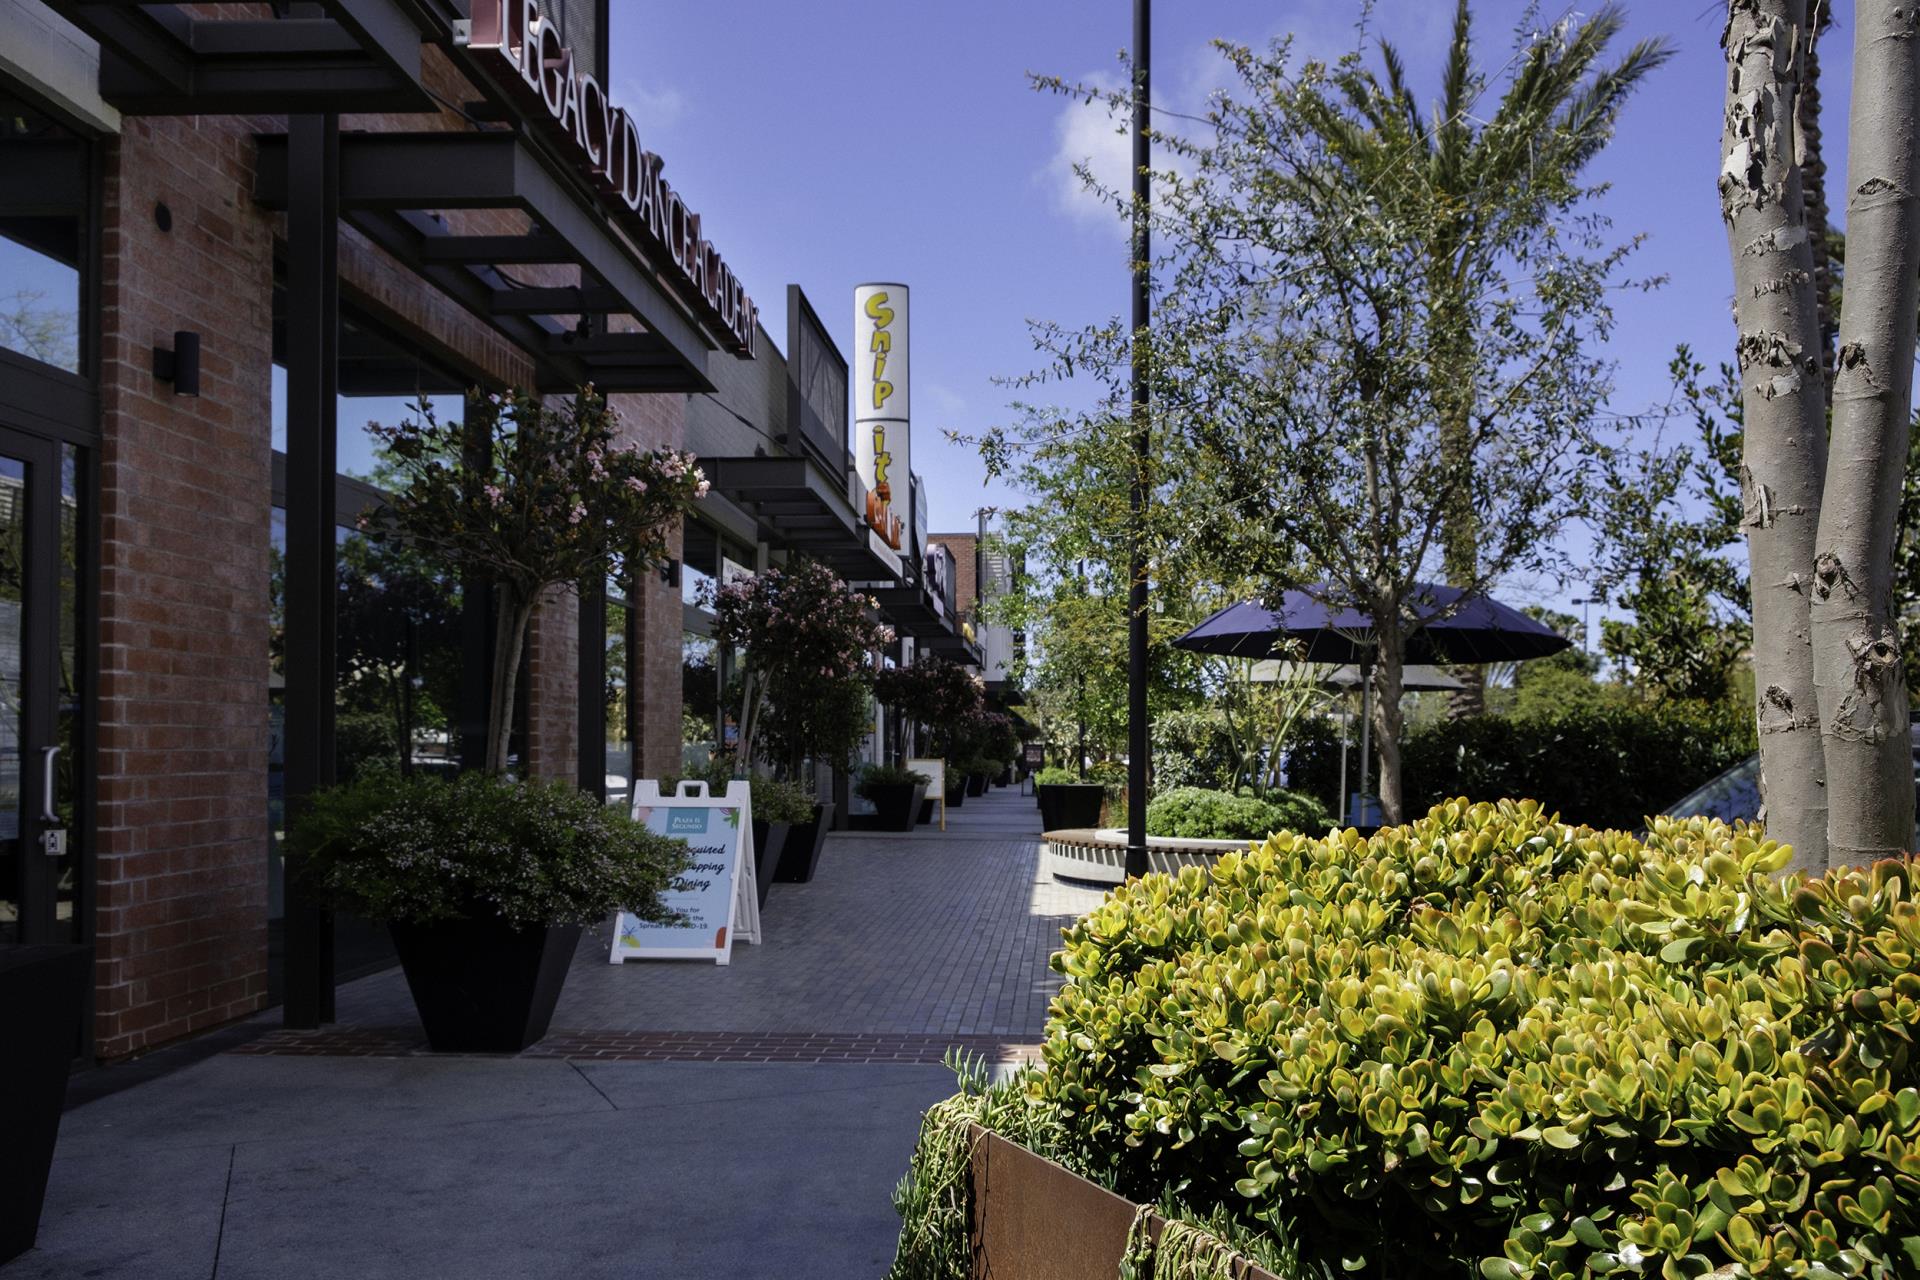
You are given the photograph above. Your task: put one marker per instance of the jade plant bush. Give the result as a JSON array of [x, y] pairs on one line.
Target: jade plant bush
[[1197, 813], [1055, 776], [1491, 1041], [423, 849]]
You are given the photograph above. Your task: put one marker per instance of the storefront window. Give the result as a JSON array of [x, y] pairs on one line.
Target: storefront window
[[42, 243], [399, 629], [700, 678], [615, 701]]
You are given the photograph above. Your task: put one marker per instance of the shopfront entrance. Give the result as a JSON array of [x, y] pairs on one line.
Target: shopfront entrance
[[40, 880]]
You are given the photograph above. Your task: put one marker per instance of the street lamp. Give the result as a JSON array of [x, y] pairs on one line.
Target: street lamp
[[1139, 743], [1585, 635]]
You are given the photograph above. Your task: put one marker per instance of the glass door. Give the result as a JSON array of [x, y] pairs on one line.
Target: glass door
[[39, 871]]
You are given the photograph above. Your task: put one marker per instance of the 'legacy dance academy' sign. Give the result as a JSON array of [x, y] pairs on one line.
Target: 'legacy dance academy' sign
[[543, 77], [881, 401], [715, 895]]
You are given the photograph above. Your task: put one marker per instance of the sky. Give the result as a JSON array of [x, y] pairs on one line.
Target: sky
[[834, 142]]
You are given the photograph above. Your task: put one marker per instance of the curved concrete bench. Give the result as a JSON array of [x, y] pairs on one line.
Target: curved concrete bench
[[1100, 854]]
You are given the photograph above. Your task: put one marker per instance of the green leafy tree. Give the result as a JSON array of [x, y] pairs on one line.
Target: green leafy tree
[[1304, 434]]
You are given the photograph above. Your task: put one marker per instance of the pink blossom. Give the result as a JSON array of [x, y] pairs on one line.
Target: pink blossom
[[636, 484], [578, 514]]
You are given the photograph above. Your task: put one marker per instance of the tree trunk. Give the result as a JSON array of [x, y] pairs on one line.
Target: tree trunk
[[1783, 401], [510, 618], [1388, 671], [1813, 183], [1856, 637], [1450, 354]]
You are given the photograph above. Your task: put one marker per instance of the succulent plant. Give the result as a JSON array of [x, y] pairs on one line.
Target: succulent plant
[[1491, 1040]]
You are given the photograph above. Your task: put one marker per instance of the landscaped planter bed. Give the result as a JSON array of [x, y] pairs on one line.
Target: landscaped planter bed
[[1034, 1220]]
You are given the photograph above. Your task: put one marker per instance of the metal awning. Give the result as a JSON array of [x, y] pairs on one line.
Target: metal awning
[[164, 59], [800, 508], [951, 644], [394, 188], [913, 612]]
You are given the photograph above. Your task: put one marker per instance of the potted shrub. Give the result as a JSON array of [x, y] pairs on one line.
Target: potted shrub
[[485, 884], [807, 643], [523, 498], [977, 769], [778, 807], [1068, 803], [1196, 813], [895, 793]]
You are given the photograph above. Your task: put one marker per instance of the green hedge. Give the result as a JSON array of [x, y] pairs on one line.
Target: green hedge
[[1196, 813], [1604, 765], [1489, 1043], [1607, 764]]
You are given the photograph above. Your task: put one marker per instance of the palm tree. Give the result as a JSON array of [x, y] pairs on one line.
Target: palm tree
[[1464, 183]]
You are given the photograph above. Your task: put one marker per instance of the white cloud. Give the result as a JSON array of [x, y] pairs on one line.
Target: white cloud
[[654, 108], [1088, 135]]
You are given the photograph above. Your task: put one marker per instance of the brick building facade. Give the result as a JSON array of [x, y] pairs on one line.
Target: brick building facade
[[158, 371]]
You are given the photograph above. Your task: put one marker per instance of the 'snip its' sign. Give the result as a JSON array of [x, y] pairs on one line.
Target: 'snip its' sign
[[881, 404], [551, 86]]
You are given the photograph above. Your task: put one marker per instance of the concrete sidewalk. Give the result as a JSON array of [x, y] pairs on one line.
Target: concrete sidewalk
[[352, 1152]]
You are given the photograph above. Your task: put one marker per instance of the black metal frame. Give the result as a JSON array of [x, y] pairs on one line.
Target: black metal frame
[[354, 55], [313, 326], [392, 187], [807, 334], [800, 508], [62, 408]]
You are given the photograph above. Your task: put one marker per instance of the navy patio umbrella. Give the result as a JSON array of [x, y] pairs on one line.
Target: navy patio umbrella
[[1455, 629], [1464, 630]]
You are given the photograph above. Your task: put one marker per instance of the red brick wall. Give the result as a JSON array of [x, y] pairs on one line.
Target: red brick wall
[[185, 502], [185, 492]]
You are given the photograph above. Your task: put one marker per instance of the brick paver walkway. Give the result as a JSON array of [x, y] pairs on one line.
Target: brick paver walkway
[[901, 946]]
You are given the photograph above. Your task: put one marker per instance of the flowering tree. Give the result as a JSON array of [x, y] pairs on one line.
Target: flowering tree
[[807, 640], [523, 496], [933, 693]]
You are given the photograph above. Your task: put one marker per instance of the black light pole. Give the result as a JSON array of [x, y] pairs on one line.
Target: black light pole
[[1139, 739]]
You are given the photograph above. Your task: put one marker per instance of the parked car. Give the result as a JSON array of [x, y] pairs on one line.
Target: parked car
[[1735, 793]]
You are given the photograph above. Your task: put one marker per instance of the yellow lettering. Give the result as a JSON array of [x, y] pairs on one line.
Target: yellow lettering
[[881, 390], [878, 310], [882, 341]]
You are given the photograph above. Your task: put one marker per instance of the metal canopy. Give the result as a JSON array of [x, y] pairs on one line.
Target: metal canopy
[[800, 507], [952, 644], [392, 187], [913, 612], [360, 55]]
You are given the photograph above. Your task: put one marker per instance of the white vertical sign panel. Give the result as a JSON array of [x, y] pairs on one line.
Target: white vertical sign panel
[[882, 396]]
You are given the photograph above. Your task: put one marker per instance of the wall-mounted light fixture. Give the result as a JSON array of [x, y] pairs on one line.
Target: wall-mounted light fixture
[[181, 364], [670, 573]]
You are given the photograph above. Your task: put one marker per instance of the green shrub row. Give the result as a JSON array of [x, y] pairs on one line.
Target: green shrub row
[[1195, 813], [1604, 764], [1490, 1041]]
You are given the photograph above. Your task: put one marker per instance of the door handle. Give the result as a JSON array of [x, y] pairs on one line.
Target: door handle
[[47, 815]]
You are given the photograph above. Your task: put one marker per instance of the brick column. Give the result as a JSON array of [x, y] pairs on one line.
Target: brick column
[[185, 493], [654, 677]]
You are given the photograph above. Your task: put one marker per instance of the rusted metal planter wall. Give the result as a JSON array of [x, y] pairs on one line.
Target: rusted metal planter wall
[[1033, 1220]]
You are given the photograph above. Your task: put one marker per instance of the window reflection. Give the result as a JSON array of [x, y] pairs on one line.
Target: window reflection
[[42, 234]]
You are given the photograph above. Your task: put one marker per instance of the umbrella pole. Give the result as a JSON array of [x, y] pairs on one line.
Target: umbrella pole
[[1366, 732], [1346, 725]]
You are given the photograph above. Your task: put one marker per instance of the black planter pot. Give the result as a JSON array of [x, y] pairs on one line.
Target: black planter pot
[[41, 993], [769, 842], [1067, 806], [957, 795], [893, 806], [804, 842], [927, 804], [483, 986], [976, 784]]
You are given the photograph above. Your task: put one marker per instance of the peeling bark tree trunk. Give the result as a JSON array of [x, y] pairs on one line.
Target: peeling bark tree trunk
[[1856, 637], [1813, 181], [1783, 399], [511, 615]]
